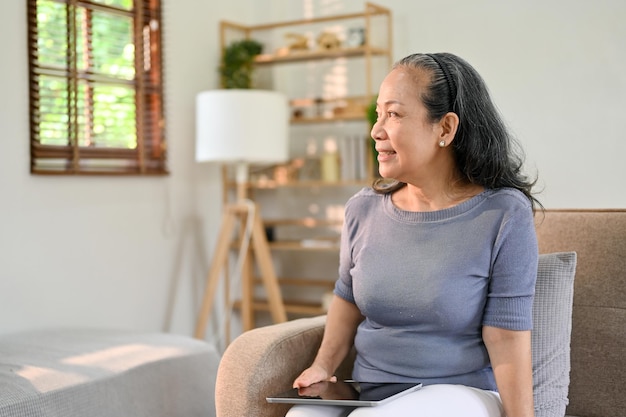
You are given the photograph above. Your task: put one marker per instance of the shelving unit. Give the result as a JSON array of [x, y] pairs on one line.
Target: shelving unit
[[304, 228]]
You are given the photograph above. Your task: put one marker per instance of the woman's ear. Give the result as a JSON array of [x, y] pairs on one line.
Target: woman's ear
[[449, 124]]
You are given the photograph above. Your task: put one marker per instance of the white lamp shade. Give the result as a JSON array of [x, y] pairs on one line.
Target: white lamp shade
[[242, 126]]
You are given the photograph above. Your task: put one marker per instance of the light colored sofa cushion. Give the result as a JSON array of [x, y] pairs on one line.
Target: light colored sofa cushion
[[105, 373], [552, 325]]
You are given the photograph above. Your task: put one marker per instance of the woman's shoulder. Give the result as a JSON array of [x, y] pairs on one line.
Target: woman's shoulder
[[508, 199], [365, 195], [363, 201], [366, 192]]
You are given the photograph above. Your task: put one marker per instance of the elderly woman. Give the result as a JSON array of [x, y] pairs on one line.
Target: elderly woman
[[439, 258]]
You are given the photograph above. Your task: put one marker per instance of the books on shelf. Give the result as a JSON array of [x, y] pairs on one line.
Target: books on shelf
[[354, 154]]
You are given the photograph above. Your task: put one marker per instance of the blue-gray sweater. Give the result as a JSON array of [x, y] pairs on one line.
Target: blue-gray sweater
[[428, 281]]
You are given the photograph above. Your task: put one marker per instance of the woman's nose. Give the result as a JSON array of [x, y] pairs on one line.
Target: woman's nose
[[377, 133]]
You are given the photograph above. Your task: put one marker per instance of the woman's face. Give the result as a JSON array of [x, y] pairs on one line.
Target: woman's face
[[406, 141]]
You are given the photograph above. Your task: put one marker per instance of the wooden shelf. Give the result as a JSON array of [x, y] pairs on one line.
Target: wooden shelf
[[371, 9], [301, 282], [272, 184], [294, 307], [313, 111], [334, 119], [316, 245], [297, 56], [304, 222], [340, 109], [305, 245]]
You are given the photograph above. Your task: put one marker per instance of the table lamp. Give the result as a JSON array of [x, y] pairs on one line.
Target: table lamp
[[240, 127]]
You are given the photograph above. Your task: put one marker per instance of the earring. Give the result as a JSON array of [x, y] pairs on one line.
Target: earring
[[442, 144]]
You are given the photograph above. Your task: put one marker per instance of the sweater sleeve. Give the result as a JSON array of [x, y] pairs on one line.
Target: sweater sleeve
[[343, 285], [514, 273]]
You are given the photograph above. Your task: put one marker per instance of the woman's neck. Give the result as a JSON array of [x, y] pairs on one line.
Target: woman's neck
[[434, 197]]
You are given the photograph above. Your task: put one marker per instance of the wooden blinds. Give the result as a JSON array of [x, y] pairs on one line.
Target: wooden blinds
[[96, 97]]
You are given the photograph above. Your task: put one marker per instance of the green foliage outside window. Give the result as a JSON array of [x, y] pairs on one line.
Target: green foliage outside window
[[105, 94], [96, 94]]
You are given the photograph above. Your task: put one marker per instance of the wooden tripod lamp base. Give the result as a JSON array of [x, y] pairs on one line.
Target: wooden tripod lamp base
[[242, 127], [233, 214]]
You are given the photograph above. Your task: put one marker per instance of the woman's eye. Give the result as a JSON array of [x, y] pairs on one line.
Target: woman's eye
[[391, 114]]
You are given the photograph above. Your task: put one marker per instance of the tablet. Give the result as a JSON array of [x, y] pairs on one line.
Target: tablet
[[348, 393]]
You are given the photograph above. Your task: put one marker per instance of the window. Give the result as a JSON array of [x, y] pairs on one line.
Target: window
[[96, 98]]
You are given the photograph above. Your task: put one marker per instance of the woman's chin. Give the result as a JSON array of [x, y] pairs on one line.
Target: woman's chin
[[385, 173]]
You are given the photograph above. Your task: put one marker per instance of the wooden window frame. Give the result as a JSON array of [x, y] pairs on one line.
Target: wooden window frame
[[78, 156]]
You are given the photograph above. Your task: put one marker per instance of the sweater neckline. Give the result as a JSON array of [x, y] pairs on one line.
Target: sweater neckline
[[432, 216]]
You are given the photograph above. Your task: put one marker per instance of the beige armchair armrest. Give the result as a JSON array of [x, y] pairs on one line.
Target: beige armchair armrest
[[262, 362]]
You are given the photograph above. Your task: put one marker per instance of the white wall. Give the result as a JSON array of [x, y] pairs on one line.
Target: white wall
[[104, 251], [555, 68], [98, 251]]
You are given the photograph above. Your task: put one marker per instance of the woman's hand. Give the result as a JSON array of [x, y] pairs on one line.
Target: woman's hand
[[329, 391], [341, 322], [309, 376]]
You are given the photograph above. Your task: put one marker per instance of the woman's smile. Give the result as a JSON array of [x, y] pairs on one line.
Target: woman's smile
[[385, 155]]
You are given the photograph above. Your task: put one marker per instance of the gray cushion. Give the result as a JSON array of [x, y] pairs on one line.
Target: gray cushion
[[105, 373], [552, 325]]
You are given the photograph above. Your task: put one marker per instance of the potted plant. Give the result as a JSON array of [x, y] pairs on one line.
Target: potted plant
[[370, 111], [372, 116], [237, 63]]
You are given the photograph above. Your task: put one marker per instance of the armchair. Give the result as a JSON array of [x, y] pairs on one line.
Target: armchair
[[266, 360]]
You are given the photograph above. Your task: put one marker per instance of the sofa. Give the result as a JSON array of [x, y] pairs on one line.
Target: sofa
[[579, 335], [105, 373]]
